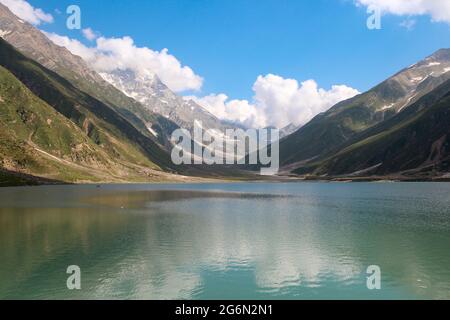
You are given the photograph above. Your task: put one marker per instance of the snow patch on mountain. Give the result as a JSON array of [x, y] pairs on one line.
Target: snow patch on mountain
[[387, 107], [417, 79], [154, 95], [4, 33]]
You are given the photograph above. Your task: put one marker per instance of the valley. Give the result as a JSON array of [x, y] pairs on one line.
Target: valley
[[62, 122]]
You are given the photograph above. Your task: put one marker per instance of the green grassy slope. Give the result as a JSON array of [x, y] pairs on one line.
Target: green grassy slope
[[36, 139]]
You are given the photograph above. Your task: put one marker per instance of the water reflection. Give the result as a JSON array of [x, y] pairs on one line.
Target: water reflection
[[137, 244]]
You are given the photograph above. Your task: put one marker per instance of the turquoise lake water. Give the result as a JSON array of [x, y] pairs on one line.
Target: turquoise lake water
[[226, 241]]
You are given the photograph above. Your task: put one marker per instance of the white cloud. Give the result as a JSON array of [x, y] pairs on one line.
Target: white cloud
[[89, 34], [27, 12], [110, 54], [439, 10], [277, 102], [232, 110], [285, 101]]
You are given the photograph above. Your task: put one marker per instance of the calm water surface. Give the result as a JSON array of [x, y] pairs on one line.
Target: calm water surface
[[220, 241]]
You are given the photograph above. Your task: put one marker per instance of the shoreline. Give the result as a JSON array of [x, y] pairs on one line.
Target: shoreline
[[10, 179], [199, 180]]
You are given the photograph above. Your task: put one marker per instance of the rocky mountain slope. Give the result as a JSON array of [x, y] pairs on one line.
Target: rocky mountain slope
[[415, 142], [35, 45], [156, 97], [142, 99]]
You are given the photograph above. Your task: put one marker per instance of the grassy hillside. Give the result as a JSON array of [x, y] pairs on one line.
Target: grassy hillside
[[35, 139], [50, 128], [100, 122]]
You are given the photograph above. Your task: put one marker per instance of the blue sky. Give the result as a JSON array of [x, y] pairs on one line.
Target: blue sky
[[229, 43]]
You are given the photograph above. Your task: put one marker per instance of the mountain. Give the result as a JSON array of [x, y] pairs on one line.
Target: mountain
[[142, 99], [80, 137], [156, 97], [328, 132], [140, 134], [415, 142], [35, 45]]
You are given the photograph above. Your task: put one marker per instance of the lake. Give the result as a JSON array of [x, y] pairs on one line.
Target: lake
[[306, 240]]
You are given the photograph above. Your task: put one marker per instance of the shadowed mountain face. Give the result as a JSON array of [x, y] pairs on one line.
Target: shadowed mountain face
[[328, 133]]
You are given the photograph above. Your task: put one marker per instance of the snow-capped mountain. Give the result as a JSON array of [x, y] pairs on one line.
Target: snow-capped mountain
[[410, 84], [140, 98], [154, 95]]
